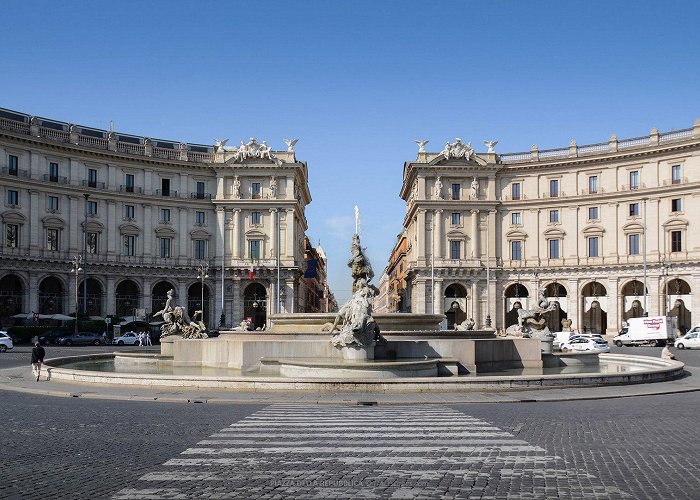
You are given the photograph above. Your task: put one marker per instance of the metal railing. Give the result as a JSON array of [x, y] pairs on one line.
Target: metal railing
[[95, 184], [55, 178], [200, 196], [169, 192], [131, 189]]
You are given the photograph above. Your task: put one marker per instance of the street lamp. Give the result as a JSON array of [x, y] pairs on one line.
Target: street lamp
[[203, 269], [86, 195], [77, 261]]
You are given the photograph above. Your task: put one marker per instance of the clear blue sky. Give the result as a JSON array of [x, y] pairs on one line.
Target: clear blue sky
[[356, 82]]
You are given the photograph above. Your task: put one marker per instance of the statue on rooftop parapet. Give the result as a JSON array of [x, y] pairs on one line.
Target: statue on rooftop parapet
[[457, 150]]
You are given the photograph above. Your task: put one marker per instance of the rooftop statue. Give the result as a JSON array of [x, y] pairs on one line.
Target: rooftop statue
[[290, 144], [178, 322], [491, 145], [421, 145], [457, 150]]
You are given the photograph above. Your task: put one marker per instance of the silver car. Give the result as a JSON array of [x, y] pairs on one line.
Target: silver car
[[128, 338], [5, 342]]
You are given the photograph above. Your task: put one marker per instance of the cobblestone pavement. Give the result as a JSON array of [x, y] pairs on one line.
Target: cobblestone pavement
[[619, 448]]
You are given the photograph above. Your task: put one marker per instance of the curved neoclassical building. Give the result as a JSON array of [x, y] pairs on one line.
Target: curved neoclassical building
[[589, 225], [146, 214]]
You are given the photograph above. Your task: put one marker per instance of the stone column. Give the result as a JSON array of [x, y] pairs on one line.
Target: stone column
[[236, 312], [148, 182], [74, 221], [219, 188], [236, 234], [437, 297], [289, 295], [437, 234], [290, 236], [34, 167], [220, 233], [182, 293], [146, 294], [35, 230], [476, 303], [574, 312], [183, 251], [184, 188], [33, 292], [71, 292], [112, 228], [420, 296], [653, 297], [147, 230], [111, 290], [476, 243], [273, 233], [421, 233], [613, 309]]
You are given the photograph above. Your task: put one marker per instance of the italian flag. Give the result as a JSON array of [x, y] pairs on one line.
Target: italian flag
[[251, 272]]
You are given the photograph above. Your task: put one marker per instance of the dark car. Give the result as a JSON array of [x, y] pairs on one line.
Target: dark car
[[52, 336], [82, 338]]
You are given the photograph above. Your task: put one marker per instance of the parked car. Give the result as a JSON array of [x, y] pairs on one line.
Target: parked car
[[5, 342], [128, 338], [82, 338], [690, 340], [51, 337], [581, 344]]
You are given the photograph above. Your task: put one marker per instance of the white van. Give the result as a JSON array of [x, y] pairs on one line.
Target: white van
[[654, 330]]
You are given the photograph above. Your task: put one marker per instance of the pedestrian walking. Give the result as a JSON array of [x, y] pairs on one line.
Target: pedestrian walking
[[147, 335], [140, 339], [38, 354]]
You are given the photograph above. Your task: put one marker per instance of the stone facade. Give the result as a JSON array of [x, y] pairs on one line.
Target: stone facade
[[570, 220], [155, 211]]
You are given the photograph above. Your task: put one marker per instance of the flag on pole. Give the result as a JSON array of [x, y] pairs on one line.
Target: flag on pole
[[251, 272]]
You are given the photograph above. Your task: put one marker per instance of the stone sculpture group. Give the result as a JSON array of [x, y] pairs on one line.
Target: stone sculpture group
[[354, 321], [178, 322]]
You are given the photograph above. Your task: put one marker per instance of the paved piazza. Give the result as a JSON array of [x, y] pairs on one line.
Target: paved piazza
[[82, 448]]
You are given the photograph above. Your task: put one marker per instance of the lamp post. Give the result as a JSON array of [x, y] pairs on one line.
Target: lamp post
[[76, 269], [203, 269], [488, 268]]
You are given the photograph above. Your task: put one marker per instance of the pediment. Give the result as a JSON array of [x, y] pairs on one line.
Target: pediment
[[129, 229], [165, 232], [13, 217], [53, 222], [255, 233], [516, 234], [455, 234], [94, 226], [594, 229], [200, 234], [554, 232], [676, 222], [633, 227]]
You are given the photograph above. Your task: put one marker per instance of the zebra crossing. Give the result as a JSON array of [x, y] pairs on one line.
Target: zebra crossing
[[303, 451]]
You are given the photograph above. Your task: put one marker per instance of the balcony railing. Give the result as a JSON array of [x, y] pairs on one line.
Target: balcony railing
[[201, 196], [672, 182], [166, 192], [134, 149], [94, 184], [15, 172], [55, 178], [131, 189]]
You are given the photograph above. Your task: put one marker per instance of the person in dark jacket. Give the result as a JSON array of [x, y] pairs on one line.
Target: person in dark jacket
[[38, 354]]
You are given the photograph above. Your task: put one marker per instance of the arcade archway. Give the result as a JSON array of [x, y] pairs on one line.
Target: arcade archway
[[11, 295], [594, 302], [515, 297], [556, 292], [255, 304], [51, 296], [455, 305], [128, 298], [94, 297], [194, 301]]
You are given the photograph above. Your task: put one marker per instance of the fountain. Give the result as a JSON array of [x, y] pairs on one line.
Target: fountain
[[358, 350]]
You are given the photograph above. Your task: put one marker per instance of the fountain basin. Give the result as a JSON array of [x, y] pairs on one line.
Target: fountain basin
[[356, 370], [100, 369], [388, 322]]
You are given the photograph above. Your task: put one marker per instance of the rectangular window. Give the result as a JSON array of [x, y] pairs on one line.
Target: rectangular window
[[633, 244], [593, 213], [12, 235], [255, 190], [634, 179], [165, 215], [52, 203], [634, 209], [593, 246], [676, 174], [52, 239], [676, 205], [12, 197], [516, 250], [200, 190], [255, 218], [53, 172], [593, 184], [92, 208], [676, 241], [129, 182], [456, 218], [129, 212], [254, 249], [456, 189], [554, 249], [165, 187], [92, 243], [515, 219], [12, 164], [515, 191], [199, 248], [455, 249], [165, 244], [92, 178], [129, 245], [554, 188], [554, 216], [200, 218]]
